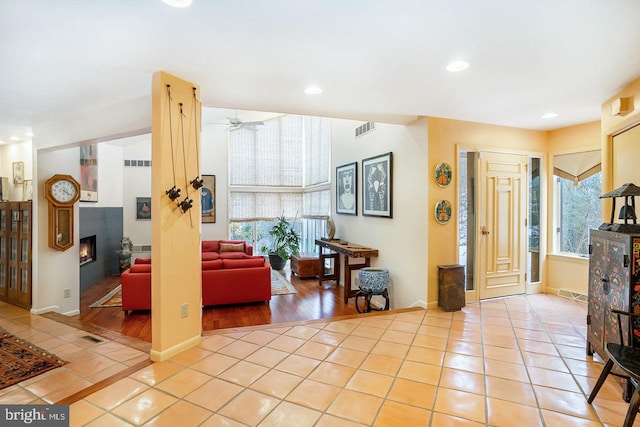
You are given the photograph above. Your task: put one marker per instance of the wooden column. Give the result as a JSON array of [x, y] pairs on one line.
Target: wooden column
[[175, 241]]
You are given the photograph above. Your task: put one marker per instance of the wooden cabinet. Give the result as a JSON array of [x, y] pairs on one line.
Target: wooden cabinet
[[15, 253], [614, 282]]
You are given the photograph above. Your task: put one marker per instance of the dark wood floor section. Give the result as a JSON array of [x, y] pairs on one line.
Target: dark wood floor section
[[312, 302]]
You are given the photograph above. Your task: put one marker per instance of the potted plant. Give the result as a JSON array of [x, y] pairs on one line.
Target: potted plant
[[285, 242]]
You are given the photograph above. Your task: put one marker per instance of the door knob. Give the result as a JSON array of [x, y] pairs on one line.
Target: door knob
[[484, 230]]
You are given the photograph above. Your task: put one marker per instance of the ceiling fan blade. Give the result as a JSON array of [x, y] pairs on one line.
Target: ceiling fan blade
[[255, 123]]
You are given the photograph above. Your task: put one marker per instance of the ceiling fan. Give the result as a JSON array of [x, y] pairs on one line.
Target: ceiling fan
[[234, 123]]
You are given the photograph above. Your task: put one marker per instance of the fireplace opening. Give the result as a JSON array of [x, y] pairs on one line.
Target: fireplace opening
[[87, 249]]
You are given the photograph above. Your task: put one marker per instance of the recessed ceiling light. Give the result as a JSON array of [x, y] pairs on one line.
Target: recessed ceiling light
[[456, 66], [549, 115], [177, 3], [313, 90], [28, 134], [14, 138]]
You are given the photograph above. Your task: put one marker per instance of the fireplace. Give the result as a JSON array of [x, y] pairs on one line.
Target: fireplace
[[87, 249]]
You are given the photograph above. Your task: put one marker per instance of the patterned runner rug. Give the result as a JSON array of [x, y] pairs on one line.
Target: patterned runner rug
[[21, 360]]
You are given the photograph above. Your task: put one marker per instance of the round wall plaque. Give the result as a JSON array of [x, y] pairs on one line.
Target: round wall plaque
[[443, 174], [443, 211]]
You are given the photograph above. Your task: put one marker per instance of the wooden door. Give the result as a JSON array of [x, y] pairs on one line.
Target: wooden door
[[502, 181]]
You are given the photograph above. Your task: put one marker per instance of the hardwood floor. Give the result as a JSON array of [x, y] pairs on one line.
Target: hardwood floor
[[310, 303]]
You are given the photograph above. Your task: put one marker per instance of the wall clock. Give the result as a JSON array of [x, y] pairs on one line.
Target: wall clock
[[62, 192]]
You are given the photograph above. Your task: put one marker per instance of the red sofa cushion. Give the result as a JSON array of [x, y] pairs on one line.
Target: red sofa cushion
[[210, 256], [210, 245], [140, 268], [243, 263], [142, 261], [212, 265]]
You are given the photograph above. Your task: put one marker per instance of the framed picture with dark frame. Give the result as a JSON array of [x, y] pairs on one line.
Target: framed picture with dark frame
[[18, 172], [346, 189], [377, 186], [208, 198], [143, 207]]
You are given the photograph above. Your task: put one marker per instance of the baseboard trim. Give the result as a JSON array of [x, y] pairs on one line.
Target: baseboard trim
[[161, 356]]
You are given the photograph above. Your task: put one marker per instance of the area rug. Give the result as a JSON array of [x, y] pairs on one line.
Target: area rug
[[112, 299], [280, 285], [21, 360]]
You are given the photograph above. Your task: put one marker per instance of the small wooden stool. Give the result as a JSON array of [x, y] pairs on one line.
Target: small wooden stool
[[305, 265]]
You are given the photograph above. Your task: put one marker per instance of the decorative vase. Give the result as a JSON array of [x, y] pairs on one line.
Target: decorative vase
[[331, 228], [276, 262], [374, 280]]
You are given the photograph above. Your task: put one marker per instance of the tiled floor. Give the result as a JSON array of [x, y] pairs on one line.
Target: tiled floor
[[514, 361]]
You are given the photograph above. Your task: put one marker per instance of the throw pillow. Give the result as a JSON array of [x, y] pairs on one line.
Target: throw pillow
[[243, 263], [231, 247]]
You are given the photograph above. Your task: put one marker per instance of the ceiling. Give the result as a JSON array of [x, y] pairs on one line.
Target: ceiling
[[377, 60]]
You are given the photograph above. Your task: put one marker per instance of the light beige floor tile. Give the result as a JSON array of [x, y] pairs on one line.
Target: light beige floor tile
[[249, 407], [329, 337], [347, 357], [183, 382], [276, 383], [446, 420], [421, 372], [82, 412], [290, 415], [333, 374], [463, 347], [117, 393], [367, 331], [217, 420], [298, 365], [315, 350], [286, 343], [394, 414], [268, 357], [354, 406], [215, 364], [574, 404], [500, 369], [327, 420], [557, 419], [553, 379], [215, 342], [260, 337], [392, 349], [514, 391], [462, 380], [501, 413], [358, 343], [144, 406], [463, 362], [413, 393], [239, 349], [411, 327], [191, 356], [538, 347], [370, 382], [302, 332], [243, 373], [545, 361], [427, 341], [108, 420], [214, 394], [341, 326], [460, 404], [386, 365], [511, 355], [313, 394], [180, 414], [156, 372]]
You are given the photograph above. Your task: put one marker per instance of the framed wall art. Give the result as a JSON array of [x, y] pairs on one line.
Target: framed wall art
[[27, 190], [346, 189], [143, 207], [443, 211], [18, 172], [377, 186], [89, 173], [443, 174], [208, 198]]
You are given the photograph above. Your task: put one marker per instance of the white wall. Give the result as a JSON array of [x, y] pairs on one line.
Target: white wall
[[55, 271], [136, 183], [402, 240], [214, 161]]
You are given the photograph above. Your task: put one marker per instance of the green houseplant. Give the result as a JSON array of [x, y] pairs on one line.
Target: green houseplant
[[285, 242]]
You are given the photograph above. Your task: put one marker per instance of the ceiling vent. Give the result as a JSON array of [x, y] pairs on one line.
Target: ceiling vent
[[365, 128]]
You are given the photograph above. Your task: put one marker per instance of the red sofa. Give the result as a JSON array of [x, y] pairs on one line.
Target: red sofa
[[230, 275]]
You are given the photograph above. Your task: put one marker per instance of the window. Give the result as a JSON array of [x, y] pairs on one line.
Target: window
[[281, 169], [578, 185]]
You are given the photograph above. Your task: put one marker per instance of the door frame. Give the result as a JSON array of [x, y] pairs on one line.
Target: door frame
[[530, 288]]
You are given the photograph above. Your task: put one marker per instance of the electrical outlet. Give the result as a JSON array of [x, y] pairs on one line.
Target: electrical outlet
[[67, 293], [184, 310]]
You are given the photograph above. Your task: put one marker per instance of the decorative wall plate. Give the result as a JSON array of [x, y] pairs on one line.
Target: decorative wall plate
[[443, 211], [443, 174]]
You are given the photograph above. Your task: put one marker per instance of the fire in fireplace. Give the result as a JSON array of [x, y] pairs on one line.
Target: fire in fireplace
[[87, 249]]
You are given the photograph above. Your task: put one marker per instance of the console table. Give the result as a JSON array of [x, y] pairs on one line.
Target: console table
[[331, 249]]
